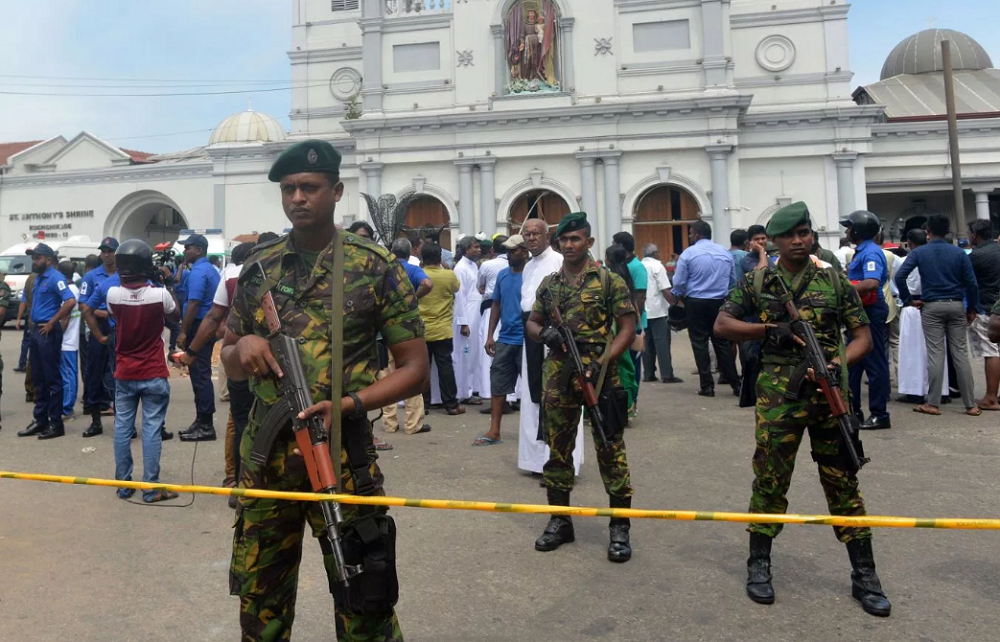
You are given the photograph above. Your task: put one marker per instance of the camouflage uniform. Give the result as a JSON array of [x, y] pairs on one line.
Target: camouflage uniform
[[780, 422], [268, 539], [5, 302], [585, 311]]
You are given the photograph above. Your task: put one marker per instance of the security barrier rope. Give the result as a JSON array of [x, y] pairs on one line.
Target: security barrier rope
[[873, 521]]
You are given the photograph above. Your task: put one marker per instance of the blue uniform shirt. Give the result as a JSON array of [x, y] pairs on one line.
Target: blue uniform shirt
[[869, 263], [91, 280], [202, 283], [99, 298], [51, 291]]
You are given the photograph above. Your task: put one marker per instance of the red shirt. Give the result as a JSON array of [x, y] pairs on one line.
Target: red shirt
[[139, 309]]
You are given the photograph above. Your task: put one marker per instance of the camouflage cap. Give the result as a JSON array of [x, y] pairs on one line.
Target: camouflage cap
[[788, 218], [572, 222], [307, 156]]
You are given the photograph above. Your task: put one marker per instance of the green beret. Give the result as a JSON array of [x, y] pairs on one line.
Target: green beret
[[788, 218], [486, 244], [307, 156], [572, 222]]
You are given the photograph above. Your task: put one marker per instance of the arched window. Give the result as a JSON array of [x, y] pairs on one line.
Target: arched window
[[531, 43]]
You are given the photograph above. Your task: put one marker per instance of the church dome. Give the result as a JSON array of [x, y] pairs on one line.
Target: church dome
[[247, 127], [921, 54]]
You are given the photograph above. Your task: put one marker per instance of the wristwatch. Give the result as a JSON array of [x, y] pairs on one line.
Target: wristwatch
[[359, 407], [190, 352]]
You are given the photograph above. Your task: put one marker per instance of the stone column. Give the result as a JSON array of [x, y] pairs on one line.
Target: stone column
[[568, 79], [499, 60], [713, 25], [612, 219], [846, 202], [466, 206], [373, 180], [371, 44], [721, 216], [487, 197], [588, 187], [983, 204]]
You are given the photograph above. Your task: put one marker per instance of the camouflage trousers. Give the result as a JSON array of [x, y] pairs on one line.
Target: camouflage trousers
[[780, 428], [267, 548], [562, 405]]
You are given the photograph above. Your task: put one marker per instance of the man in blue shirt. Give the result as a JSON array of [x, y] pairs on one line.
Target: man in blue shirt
[[98, 371], [202, 282], [704, 276], [52, 302], [868, 272], [505, 309], [948, 301]]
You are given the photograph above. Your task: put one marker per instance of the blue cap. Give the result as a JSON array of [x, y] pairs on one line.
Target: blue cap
[[42, 250], [110, 243], [195, 239]]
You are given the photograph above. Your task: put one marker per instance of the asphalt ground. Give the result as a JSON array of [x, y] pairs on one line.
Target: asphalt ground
[[78, 564]]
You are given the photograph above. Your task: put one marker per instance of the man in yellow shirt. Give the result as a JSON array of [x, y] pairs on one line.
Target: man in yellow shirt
[[437, 309]]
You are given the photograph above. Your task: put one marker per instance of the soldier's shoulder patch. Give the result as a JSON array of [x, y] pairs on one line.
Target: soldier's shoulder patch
[[252, 275]]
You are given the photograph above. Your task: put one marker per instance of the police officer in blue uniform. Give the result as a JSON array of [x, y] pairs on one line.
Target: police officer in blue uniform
[[201, 283], [98, 374], [53, 301], [868, 272]]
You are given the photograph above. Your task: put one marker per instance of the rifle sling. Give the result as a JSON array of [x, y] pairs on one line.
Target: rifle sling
[[337, 354]]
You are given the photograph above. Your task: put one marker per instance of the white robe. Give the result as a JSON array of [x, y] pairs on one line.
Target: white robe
[[531, 453], [467, 349], [911, 370]]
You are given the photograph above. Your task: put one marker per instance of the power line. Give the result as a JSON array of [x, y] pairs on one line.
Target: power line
[[110, 79], [160, 95], [192, 131]]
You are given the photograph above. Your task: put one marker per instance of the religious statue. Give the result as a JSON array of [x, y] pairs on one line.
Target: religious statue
[[530, 35]]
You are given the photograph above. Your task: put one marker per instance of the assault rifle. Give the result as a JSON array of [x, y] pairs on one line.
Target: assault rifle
[[310, 434], [589, 392], [853, 454]]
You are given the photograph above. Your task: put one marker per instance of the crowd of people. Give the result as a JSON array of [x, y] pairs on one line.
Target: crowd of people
[[540, 323]]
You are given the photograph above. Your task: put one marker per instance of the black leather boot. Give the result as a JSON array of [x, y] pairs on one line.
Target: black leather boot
[[759, 587], [53, 431], [203, 430], [865, 586], [620, 549], [165, 435], [95, 428], [32, 430], [559, 530], [192, 428]]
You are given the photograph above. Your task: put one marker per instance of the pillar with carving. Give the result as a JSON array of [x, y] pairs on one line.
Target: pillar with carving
[[487, 196], [721, 215], [466, 204]]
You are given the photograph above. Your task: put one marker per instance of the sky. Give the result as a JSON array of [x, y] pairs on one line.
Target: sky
[[198, 46]]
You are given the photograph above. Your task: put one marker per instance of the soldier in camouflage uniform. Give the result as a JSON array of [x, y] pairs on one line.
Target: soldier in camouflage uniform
[[591, 300], [827, 301], [297, 270], [4, 304]]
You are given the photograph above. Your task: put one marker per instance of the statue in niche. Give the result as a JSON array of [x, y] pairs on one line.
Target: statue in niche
[[530, 41]]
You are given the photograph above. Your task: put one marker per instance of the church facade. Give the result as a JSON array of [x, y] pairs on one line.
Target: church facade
[[646, 114]]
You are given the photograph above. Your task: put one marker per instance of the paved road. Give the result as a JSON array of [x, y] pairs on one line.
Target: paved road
[[78, 564]]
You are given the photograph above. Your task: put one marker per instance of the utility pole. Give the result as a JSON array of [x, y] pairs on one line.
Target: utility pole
[[956, 164]]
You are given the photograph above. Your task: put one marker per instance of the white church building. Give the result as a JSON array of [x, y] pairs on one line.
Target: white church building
[[646, 114]]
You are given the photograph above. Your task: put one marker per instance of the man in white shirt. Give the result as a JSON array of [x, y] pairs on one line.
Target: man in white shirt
[[658, 299], [70, 346], [488, 272], [532, 453], [467, 345], [911, 365]]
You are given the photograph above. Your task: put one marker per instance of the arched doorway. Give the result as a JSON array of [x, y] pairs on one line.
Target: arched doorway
[[543, 204], [663, 216], [427, 210], [149, 216]]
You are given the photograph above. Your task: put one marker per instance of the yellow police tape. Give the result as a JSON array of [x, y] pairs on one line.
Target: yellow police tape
[[873, 521]]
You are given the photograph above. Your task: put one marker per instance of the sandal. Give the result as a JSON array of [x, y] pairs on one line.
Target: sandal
[[927, 409], [160, 496], [382, 445], [487, 441], [974, 411]]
